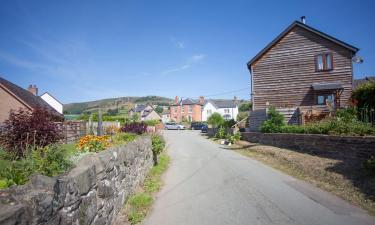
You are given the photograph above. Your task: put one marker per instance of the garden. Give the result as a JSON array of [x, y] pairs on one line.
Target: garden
[[30, 143], [223, 129]]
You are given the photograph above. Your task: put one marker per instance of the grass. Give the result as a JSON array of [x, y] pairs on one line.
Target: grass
[[139, 204], [344, 179]]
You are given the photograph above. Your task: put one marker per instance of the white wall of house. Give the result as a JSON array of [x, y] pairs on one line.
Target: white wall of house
[[208, 110], [52, 102], [228, 113]]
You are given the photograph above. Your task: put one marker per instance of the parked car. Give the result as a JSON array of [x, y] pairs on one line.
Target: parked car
[[204, 129], [173, 126], [197, 125]]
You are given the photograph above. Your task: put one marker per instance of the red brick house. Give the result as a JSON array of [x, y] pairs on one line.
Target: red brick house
[[187, 110]]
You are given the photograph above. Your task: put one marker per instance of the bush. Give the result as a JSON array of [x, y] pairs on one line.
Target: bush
[[152, 122], [24, 130], [123, 138], [347, 115], [364, 95], [274, 122], [91, 143], [229, 123], [215, 120], [50, 161], [235, 137], [158, 143], [245, 107], [221, 133], [134, 127]]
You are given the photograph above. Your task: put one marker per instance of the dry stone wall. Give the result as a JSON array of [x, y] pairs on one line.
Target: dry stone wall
[[91, 193]]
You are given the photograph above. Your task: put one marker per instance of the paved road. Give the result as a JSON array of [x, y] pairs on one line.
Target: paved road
[[207, 184]]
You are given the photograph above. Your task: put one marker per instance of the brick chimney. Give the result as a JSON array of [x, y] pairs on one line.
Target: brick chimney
[[201, 99], [176, 99], [33, 89]]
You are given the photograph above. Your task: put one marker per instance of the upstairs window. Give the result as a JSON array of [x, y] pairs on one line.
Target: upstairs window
[[324, 62], [183, 109], [190, 108]]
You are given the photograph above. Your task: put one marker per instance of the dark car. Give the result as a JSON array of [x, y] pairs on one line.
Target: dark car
[[197, 125], [204, 129]]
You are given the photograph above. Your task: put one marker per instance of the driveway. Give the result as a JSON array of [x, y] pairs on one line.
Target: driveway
[[207, 184]]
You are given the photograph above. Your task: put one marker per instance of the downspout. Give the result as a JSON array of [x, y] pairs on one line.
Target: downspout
[[252, 88]]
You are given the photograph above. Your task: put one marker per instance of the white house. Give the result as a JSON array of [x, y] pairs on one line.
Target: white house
[[228, 109], [53, 102]]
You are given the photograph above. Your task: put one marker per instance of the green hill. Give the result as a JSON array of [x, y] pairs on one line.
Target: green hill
[[121, 103]]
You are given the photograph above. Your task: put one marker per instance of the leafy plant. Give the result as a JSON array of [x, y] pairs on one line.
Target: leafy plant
[[229, 123], [158, 143], [274, 122], [215, 120], [123, 138], [364, 95], [221, 133], [347, 115], [234, 138], [135, 127], [152, 122], [91, 143], [24, 129], [245, 107]]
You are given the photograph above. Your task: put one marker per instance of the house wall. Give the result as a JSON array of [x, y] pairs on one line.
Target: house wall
[[208, 106], [176, 113], [196, 114], [233, 112], [152, 116], [283, 76], [8, 103], [52, 102]]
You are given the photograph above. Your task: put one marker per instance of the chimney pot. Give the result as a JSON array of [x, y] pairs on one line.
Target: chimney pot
[[303, 19], [176, 99], [33, 89], [201, 99]]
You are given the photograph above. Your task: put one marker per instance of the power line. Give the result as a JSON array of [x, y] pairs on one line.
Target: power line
[[221, 93]]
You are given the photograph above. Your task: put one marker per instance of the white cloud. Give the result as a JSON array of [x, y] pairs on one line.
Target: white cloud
[[188, 64]]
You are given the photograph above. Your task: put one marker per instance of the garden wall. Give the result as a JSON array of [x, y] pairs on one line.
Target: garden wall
[[335, 146], [91, 193]]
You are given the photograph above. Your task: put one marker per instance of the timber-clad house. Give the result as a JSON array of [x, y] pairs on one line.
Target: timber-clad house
[[300, 70]]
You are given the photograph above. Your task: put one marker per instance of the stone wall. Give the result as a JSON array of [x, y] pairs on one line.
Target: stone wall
[[91, 193], [345, 147]]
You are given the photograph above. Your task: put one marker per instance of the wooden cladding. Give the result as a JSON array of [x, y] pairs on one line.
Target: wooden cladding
[[284, 74]]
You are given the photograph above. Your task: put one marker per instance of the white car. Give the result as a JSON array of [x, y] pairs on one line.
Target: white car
[[173, 126]]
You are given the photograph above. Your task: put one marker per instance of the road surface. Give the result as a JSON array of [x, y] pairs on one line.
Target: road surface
[[207, 184]]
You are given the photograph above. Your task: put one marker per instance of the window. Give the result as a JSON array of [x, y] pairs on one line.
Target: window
[[190, 108], [182, 109], [175, 109], [324, 99], [324, 62], [209, 112], [226, 110]]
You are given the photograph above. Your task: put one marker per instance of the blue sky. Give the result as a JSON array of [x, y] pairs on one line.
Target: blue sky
[[87, 50]]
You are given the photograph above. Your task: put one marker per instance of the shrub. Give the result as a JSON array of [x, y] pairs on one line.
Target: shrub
[[91, 143], [235, 137], [158, 145], [221, 133], [50, 161], [135, 127], [274, 122], [152, 122], [229, 123], [347, 115], [215, 120], [123, 138], [25, 129], [245, 107], [364, 95]]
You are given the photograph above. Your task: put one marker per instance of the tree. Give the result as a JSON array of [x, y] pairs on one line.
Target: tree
[[364, 95], [25, 130], [159, 109], [135, 117], [245, 107], [215, 120]]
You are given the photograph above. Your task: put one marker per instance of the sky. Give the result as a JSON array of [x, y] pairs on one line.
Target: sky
[[87, 50]]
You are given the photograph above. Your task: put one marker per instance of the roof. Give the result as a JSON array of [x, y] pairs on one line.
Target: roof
[[188, 101], [47, 93], [358, 82], [304, 26], [139, 108], [327, 86], [223, 103], [26, 97]]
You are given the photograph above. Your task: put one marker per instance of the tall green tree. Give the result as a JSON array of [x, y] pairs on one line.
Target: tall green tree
[[215, 120]]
